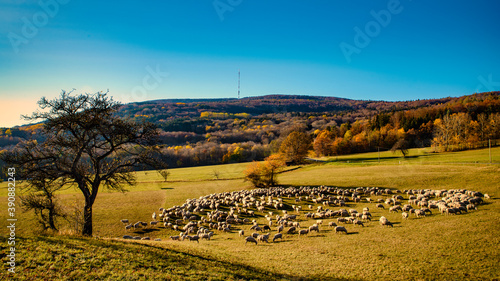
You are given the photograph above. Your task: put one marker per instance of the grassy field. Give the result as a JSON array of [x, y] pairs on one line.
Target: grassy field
[[421, 156], [461, 247]]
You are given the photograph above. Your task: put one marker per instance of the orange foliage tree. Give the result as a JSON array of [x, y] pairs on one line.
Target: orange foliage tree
[[323, 143], [264, 174], [295, 147]]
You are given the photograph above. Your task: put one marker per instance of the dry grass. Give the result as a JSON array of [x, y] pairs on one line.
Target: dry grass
[[462, 247]]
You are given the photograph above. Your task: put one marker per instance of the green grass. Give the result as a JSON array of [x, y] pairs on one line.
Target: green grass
[[461, 247], [420, 156]]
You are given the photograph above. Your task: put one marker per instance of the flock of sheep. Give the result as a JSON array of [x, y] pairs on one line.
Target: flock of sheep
[[282, 208]]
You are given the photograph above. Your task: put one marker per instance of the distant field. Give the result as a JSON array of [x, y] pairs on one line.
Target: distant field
[[461, 247], [421, 156]]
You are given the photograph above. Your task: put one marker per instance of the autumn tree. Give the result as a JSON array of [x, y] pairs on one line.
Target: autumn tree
[[401, 145], [87, 145], [264, 174], [323, 143], [295, 147], [451, 131]]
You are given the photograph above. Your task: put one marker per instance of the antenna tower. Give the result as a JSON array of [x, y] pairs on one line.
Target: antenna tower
[[238, 84]]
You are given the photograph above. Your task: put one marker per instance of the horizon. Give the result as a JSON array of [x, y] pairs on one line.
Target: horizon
[[380, 51]]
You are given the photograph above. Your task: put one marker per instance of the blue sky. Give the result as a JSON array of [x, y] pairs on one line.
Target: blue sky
[[144, 50]]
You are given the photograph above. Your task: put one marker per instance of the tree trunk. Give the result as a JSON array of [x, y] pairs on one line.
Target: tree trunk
[[87, 220], [52, 215], [52, 212]]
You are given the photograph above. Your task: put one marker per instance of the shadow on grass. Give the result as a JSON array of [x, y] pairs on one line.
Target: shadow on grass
[[175, 261], [146, 231], [367, 159], [281, 241], [166, 188]]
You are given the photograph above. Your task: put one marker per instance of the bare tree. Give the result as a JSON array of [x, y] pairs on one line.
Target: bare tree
[[86, 144], [216, 174], [164, 173], [401, 145], [42, 200]]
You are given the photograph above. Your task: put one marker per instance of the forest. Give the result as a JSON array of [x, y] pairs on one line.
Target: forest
[[197, 132]]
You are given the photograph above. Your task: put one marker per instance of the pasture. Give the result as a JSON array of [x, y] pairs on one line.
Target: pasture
[[436, 247]]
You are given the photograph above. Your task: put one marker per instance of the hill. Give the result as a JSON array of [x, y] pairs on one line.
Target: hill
[[204, 132], [164, 110], [197, 132]]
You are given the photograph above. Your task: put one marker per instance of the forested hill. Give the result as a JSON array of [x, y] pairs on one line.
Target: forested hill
[[163, 110], [212, 131]]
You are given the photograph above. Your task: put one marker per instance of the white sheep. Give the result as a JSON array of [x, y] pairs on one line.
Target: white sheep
[[194, 238], [205, 236], [419, 213], [340, 229], [303, 232], [250, 239], [394, 208], [314, 227], [263, 238], [241, 232], [365, 218], [405, 215], [279, 228], [385, 222], [358, 222], [278, 236]]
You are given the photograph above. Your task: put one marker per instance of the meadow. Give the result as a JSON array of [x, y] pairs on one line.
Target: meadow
[[437, 247]]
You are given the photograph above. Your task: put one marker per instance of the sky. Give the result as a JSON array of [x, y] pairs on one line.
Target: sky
[[145, 50]]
